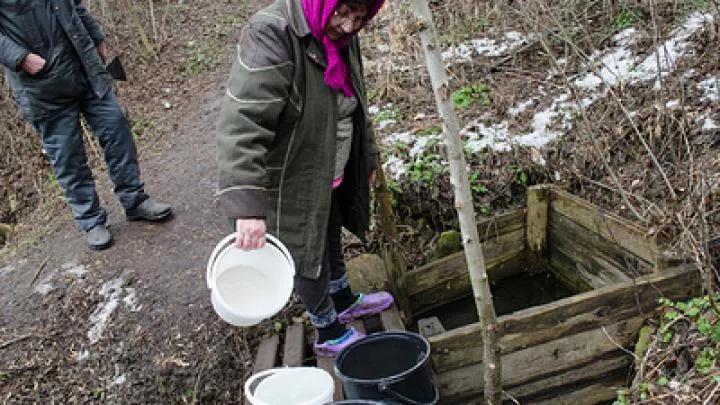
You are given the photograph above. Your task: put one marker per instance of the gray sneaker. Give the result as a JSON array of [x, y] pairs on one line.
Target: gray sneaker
[[99, 238], [149, 210]]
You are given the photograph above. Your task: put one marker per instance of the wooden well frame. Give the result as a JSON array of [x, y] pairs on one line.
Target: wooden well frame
[[575, 349]]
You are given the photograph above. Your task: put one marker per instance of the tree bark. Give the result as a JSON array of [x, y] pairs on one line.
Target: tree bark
[[463, 203]]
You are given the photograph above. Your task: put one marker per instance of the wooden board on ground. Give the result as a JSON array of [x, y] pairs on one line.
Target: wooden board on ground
[[391, 319], [294, 350], [266, 356]]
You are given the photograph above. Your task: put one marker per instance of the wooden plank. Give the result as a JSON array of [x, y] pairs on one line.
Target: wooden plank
[[447, 279], [491, 228], [569, 381], [391, 319], [450, 267], [359, 325], [601, 258], [328, 364], [538, 202], [545, 359], [596, 368], [265, 357], [454, 288], [591, 394], [606, 224], [529, 327], [266, 354], [294, 350]]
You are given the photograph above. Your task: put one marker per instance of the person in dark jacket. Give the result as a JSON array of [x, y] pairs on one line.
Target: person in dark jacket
[[296, 153], [54, 57]]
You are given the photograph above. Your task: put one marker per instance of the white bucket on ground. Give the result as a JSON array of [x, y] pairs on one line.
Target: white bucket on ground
[[248, 286], [290, 386]]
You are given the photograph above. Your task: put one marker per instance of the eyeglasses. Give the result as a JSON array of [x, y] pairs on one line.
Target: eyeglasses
[[346, 15]]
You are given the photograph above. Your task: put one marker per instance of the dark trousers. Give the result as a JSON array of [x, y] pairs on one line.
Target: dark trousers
[[63, 142], [315, 293]]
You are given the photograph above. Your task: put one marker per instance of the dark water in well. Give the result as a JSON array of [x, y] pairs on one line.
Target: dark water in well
[[511, 294]]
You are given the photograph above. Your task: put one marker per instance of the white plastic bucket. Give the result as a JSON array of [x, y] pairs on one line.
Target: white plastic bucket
[[290, 386], [247, 286]]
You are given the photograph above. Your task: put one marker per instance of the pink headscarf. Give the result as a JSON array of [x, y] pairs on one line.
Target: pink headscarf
[[317, 14]]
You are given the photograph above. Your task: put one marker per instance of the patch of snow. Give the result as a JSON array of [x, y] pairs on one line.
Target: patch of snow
[[78, 270], [420, 143], [672, 104], [119, 380], [395, 166], [44, 289], [481, 136], [708, 124], [384, 124], [114, 293], [7, 270], [111, 290], [485, 47], [82, 355], [710, 89], [664, 59], [515, 111], [615, 66], [383, 48], [399, 137], [373, 109], [130, 300]]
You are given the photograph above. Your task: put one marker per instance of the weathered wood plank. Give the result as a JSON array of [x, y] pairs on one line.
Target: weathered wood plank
[[602, 260], [457, 283], [490, 228], [294, 348], [328, 364], [265, 357], [584, 262], [545, 359], [267, 354], [529, 327], [569, 380], [538, 202], [359, 325], [391, 319], [590, 394], [610, 226], [494, 251], [620, 360]]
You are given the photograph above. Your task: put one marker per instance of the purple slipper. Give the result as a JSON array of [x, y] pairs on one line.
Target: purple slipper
[[366, 304], [331, 348]]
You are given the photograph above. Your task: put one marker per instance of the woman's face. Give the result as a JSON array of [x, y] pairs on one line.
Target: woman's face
[[346, 19]]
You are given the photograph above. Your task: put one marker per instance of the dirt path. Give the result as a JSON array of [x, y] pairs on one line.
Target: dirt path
[[132, 323]]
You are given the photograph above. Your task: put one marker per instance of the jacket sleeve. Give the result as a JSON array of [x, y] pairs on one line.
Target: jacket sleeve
[[373, 156], [93, 28], [11, 54], [257, 92]]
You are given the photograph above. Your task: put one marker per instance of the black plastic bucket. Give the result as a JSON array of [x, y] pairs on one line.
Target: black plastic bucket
[[393, 367]]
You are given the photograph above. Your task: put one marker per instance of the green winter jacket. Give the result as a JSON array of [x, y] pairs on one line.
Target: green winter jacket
[[277, 131], [64, 33]]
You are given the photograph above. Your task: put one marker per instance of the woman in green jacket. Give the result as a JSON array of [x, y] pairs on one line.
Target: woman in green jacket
[[296, 153]]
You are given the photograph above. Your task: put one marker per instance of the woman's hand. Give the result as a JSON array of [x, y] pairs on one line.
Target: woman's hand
[[250, 233], [32, 63]]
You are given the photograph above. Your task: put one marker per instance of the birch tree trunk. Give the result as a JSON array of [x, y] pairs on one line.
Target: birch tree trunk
[[463, 203]]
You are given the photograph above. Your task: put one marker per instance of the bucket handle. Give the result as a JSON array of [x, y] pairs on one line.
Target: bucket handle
[[228, 239], [384, 387], [259, 376]]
